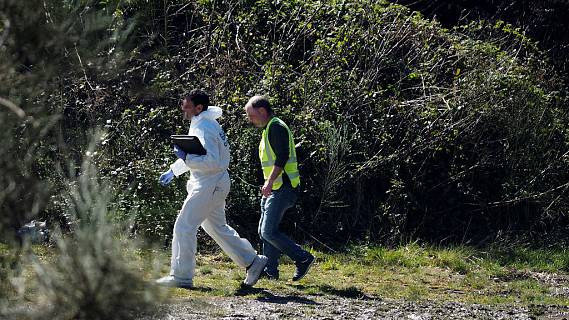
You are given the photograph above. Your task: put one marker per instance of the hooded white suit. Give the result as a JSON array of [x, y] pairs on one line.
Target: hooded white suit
[[205, 204]]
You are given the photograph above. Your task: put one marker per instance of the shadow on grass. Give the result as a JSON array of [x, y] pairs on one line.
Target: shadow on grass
[[200, 289], [167, 288], [244, 290], [266, 296], [349, 292]]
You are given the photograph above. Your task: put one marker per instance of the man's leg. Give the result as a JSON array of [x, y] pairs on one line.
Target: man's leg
[[271, 252], [274, 208], [238, 249], [184, 243]]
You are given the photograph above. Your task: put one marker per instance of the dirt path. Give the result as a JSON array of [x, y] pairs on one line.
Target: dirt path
[[274, 306], [256, 303]]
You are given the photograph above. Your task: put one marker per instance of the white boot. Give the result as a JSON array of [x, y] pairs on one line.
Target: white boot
[[172, 281], [254, 271]]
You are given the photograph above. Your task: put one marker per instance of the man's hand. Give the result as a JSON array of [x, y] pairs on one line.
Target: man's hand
[[179, 152], [166, 177], [267, 188]]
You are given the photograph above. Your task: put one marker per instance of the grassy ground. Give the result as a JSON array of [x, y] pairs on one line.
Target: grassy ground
[[461, 274]]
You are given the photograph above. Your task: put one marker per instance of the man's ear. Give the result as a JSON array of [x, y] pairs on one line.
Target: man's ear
[[200, 108]]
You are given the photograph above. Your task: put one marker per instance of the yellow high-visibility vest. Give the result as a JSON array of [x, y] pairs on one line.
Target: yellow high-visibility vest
[[267, 156]]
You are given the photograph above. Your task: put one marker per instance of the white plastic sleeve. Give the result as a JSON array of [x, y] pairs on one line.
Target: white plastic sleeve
[[179, 167]]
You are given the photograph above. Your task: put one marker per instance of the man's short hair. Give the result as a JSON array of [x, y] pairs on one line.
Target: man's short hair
[[198, 96], [261, 102]]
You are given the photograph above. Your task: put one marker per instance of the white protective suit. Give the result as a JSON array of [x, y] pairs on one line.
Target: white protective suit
[[205, 204]]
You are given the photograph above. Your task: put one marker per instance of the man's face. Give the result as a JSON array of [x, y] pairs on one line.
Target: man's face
[[255, 116], [189, 109]]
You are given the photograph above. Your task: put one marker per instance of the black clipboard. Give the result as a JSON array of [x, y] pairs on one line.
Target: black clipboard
[[189, 144]]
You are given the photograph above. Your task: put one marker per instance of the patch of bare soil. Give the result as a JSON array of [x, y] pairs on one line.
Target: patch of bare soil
[[272, 305]]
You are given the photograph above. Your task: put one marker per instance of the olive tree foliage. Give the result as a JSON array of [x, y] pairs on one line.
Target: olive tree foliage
[[44, 47], [404, 129], [50, 49], [92, 272]]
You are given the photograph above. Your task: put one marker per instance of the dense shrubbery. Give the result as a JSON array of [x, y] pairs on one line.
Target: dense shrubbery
[[438, 123], [541, 20], [405, 129]]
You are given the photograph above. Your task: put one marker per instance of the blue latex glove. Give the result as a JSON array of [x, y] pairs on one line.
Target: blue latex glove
[[180, 153], [166, 177]]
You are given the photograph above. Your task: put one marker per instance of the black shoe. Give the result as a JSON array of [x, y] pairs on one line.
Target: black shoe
[[269, 276], [302, 268]]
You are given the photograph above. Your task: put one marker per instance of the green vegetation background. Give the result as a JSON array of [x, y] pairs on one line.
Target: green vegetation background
[[405, 129], [444, 126]]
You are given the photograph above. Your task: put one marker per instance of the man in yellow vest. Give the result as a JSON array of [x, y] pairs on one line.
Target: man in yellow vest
[[280, 170]]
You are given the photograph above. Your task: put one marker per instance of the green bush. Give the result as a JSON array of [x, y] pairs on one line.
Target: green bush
[[405, 129], [447, 134]]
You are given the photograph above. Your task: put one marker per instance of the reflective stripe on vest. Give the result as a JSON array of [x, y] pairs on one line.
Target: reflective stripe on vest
[[267, 156]]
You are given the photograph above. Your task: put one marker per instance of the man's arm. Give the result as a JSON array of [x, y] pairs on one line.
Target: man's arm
[[268, 186]]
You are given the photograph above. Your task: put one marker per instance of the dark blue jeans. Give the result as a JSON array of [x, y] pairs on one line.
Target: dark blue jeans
[[274, 241]]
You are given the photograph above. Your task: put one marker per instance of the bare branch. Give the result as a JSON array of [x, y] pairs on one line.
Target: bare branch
[[13, 107]]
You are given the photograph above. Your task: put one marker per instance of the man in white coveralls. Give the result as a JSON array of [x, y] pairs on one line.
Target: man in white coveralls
[[207, 188]]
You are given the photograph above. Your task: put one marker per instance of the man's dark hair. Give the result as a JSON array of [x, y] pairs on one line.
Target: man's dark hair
[[262, 102], [198, 96]]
